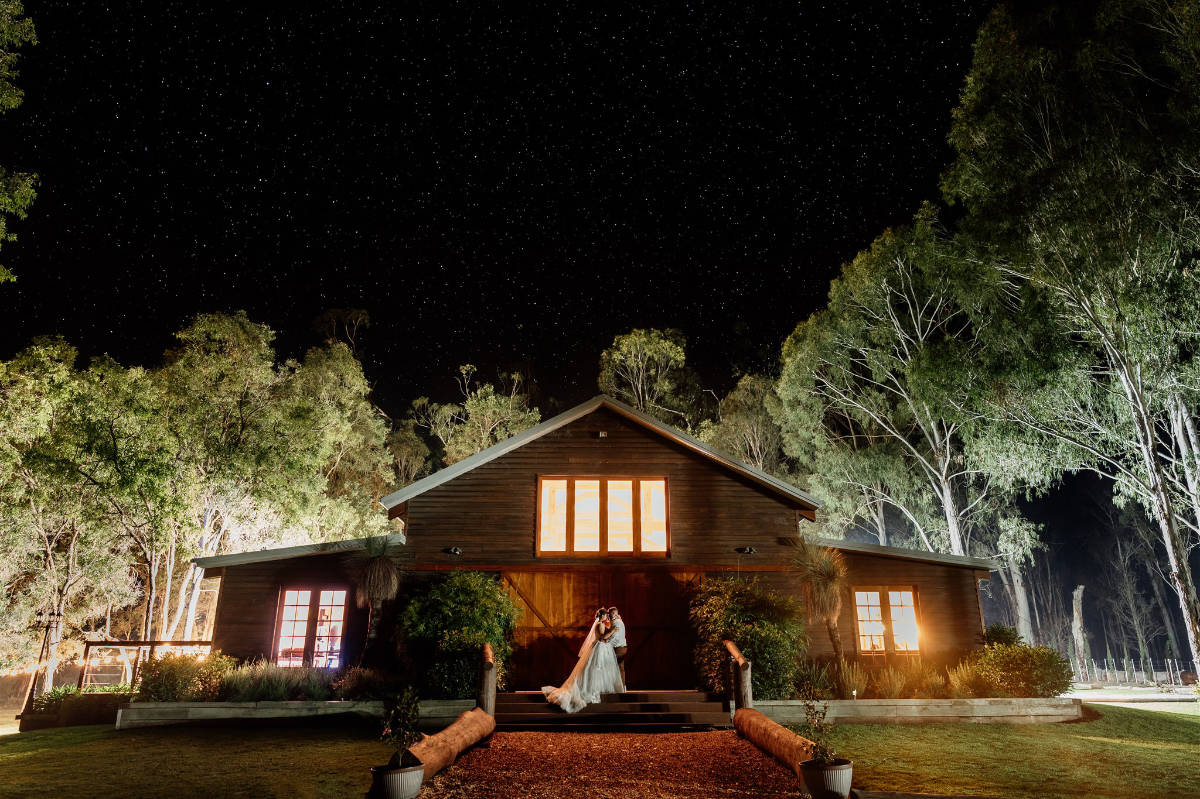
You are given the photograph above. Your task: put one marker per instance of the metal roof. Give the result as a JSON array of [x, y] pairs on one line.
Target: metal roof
[[758, 476], [967, 561], [283, 553]]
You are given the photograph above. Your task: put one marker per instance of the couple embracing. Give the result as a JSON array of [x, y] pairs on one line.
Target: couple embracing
[[600, 668]]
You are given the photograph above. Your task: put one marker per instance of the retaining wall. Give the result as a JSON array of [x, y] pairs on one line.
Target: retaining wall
[[928, 711], [435, 713]]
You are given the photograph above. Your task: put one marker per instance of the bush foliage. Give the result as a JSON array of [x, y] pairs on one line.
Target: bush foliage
[[768, 628], [447, 626], [1024, 670], [183, 678]]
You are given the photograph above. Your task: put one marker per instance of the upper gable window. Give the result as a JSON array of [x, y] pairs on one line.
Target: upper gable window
[[589, 515]]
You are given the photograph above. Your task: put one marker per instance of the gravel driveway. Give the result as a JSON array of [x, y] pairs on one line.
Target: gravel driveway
[[552, 765]]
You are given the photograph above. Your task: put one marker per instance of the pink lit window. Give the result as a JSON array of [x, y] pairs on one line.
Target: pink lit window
[[327, 648], [293, 628]]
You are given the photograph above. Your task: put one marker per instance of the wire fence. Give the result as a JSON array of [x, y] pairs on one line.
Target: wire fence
[[1129, 671]]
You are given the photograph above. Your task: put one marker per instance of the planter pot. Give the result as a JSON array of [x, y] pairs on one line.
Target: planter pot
[[827, 781], [399, 783]]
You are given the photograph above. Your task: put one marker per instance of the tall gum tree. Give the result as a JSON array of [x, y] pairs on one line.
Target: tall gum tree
[[1077, 158]]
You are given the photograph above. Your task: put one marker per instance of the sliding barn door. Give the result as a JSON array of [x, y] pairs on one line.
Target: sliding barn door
[[557, 610]]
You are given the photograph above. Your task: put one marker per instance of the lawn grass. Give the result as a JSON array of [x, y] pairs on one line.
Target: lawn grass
[[1121, 752], [98, 761]]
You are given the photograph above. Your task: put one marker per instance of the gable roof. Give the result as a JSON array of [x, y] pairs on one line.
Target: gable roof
[[966, 561], [767, 481], [283, 553]]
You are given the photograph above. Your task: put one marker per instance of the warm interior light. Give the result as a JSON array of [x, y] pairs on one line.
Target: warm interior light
[[327, 648], [620, 515], [904, 621], [587, 515], [293, 628], [870, 621], [654, 515], [552, 534]]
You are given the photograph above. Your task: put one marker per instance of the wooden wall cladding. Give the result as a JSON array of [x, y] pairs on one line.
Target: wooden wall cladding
[[246, 610], [491, 511]]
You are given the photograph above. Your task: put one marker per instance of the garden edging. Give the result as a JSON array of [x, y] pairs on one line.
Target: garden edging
[[435, 713], [928, 711]]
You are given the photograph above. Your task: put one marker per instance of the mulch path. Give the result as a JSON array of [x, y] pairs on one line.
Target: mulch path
[[552, 765]]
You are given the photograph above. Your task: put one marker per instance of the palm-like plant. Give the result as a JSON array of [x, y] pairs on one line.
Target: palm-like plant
[[380, 581], [825, 579]]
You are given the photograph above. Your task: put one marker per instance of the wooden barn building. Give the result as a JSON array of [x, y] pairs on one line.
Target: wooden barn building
[[600, 505]]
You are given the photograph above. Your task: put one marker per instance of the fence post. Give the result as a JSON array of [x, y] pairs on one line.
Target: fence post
[[743, 687], [487, 681]]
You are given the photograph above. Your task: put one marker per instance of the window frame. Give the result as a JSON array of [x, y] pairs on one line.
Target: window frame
[[310, 630], [885, 608], [603, 552]]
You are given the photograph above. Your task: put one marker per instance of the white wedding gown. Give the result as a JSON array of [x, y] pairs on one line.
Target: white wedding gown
[[594, 674]]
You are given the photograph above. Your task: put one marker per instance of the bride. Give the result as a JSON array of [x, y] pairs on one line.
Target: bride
[[595, 673]]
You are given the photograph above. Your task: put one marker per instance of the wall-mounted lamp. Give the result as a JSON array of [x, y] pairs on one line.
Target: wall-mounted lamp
[[453, 550], [745, 550]]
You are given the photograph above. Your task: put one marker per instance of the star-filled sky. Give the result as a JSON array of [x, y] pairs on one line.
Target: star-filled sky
[[500, 185]]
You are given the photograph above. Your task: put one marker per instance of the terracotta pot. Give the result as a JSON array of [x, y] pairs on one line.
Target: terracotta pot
[[400, 783], [830, 781]]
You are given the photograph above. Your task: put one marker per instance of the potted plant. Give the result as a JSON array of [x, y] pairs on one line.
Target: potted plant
[[402, 776], [826, 776]]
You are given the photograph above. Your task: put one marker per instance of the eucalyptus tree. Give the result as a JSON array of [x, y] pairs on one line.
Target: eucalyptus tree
[[1077, 156], [488, 414], [63, 553], [745, 427], [646, 369]]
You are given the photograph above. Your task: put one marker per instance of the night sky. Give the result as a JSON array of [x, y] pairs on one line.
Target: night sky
[[500, 187]]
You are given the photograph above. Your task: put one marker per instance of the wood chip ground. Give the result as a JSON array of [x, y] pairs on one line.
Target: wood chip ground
[[551, 765]]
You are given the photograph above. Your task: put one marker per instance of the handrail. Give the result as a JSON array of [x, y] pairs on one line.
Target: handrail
[[736, 654], [487, 680], [743, 684]]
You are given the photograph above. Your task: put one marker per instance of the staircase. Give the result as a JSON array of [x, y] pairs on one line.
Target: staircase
[[639, 711]]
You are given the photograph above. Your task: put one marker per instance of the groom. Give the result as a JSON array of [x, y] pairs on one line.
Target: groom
[[617, 639]]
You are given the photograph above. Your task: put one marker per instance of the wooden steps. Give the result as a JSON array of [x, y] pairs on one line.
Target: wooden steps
[[638, 711]]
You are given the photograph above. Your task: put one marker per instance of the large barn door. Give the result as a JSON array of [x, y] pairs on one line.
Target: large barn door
[[558, 608]]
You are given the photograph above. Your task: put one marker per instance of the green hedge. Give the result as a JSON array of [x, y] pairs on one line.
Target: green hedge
[[767, 627], [447, 625]]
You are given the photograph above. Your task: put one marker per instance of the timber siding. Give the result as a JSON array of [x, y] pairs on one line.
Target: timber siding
[[245, 622], [490, 512]]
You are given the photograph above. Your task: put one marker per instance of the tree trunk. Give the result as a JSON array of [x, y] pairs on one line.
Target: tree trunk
[[189, 624], [1178, 571], [1077, 634], [880, 521], [1024, 623], [151, 589], [953, 523], [53, 640], [835, 637], [1165, 612]]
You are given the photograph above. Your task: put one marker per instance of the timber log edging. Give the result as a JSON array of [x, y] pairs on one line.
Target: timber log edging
[[435, 713]]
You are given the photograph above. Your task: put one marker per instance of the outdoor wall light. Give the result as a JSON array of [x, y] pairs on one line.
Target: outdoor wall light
[[745, 550], [453, 550]]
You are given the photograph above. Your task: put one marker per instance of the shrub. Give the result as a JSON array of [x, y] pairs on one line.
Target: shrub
[[1023, 670], [997, 633], [261, 681], [890, 683], [849, 677], [359, 683], [813, 680], [51, 701], [967, 681], [922, 680], [183, 678], [768, 628], [451, 622]]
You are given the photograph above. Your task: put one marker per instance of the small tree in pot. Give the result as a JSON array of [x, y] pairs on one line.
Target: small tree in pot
[[401, 778], [826, 776]]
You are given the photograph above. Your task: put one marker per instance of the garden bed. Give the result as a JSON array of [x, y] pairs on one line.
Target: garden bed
[[435, 713], [928, 711]]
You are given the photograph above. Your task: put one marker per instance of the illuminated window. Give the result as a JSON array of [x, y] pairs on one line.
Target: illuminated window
[[904, 620], [887, 620], [654, 515], [602, 516], [327, 649], [300, 643], [293, 629], [552, 516], [870, 621], [620, 515]]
